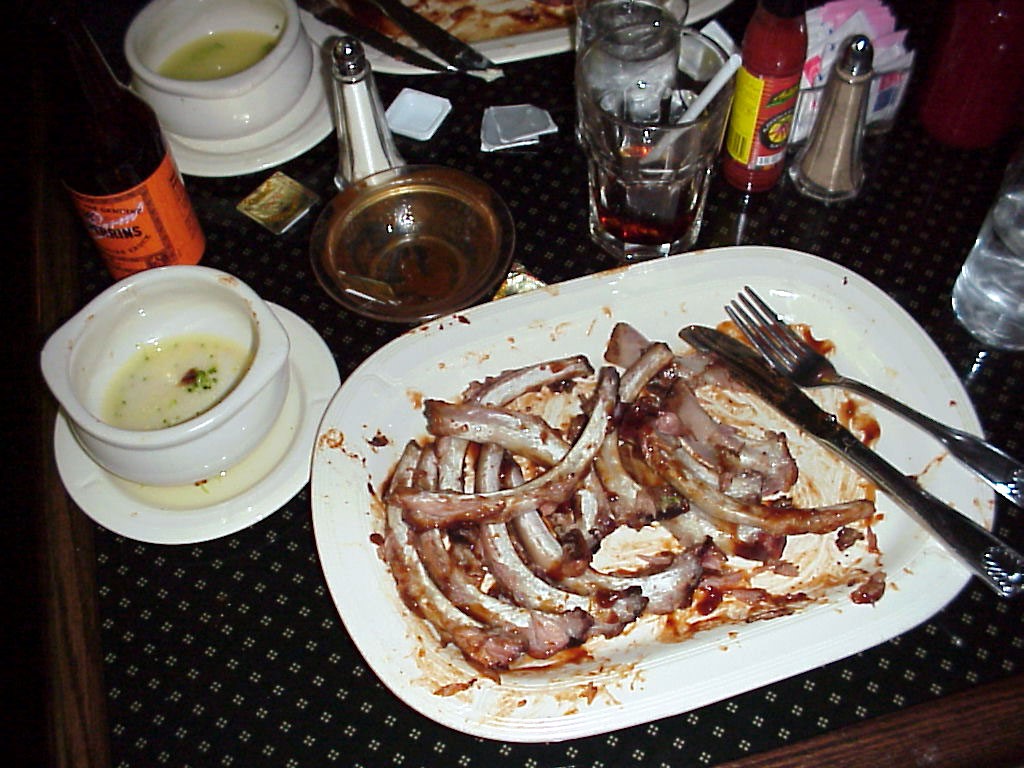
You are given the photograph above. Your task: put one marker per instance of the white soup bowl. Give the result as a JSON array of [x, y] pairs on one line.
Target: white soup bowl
[[82, 359], [229, 107]]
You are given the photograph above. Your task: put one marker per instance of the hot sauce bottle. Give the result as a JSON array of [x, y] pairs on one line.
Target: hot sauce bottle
[[116, 166], [767, 86]]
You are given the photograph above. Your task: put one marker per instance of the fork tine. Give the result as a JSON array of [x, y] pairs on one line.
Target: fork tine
[[778, 350], [755, 332], [739, 317], [769, 328], [791, 345], [743, 321]]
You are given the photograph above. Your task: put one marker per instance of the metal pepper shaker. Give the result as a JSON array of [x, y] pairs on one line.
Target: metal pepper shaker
[[828, 168], [365, 142]]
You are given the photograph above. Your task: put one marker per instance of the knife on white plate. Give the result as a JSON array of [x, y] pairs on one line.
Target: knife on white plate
[[434, 38], [995, 562], [332, 15]]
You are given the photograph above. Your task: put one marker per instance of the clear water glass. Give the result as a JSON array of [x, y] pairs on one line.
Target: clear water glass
[[597, 17], [988, 297]]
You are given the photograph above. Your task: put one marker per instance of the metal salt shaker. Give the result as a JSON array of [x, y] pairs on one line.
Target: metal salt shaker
[[365, 142], [828, 167]]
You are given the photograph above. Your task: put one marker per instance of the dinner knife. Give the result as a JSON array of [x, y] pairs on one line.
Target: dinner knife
[[432, 37], [997, 564], [331, 14]]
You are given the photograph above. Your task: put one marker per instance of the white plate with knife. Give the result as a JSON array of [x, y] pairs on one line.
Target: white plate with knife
[[517, 47], [639, 676]]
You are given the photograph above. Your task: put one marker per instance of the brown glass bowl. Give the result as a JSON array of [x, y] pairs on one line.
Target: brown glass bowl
[[413, 243]]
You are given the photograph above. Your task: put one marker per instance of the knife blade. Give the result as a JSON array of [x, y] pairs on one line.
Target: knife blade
[[997, 564], [334, 16], [432, 37]]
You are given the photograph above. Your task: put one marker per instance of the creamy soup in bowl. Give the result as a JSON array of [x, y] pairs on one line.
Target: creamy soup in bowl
[[170, 376], [169, 381], [217, 55]]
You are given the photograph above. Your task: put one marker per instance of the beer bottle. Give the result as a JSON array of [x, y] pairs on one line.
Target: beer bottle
[[116, 164]]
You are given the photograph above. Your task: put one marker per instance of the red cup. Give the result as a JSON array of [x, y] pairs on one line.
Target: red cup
[[976, 81]]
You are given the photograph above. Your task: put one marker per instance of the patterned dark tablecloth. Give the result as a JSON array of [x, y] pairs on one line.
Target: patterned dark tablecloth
[[230, 652]]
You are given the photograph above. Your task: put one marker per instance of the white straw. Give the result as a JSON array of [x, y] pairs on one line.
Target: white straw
[[711, 90]]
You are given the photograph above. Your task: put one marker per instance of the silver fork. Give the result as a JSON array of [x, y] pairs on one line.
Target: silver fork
[[793, 357]]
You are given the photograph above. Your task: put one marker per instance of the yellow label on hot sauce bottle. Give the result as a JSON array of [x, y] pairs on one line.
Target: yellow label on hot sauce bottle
[[149, 225], [761, 119]]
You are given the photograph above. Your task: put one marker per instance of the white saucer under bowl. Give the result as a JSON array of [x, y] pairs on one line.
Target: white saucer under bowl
[[302, 128], [254, 489]]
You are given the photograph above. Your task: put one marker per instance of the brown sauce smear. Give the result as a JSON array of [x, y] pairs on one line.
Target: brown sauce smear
[[863, 425]]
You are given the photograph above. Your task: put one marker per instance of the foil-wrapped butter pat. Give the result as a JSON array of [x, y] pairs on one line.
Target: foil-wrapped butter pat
[[518, 281], [278, 203]]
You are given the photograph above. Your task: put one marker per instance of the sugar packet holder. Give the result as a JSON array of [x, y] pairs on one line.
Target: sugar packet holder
[[885, 96], [828, 26]]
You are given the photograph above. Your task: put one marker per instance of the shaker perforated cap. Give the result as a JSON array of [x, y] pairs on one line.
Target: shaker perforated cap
[[348, 58], [857, 57]]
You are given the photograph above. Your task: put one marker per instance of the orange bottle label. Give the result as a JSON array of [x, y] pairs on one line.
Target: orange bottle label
[[150, 225]]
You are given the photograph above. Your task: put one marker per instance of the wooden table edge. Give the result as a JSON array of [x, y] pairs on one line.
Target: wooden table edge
[[77, 732]]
